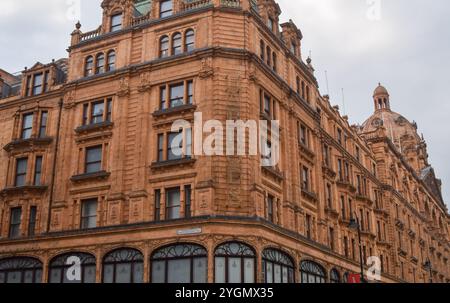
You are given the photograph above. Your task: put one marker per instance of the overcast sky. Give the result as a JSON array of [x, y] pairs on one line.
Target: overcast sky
[[405, 45]]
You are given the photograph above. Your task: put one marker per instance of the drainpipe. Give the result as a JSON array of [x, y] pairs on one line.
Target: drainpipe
[[55, 157]]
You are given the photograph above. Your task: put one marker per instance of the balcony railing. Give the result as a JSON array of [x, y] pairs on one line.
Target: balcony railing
[[194, 4], [91, 35], [230, 3]]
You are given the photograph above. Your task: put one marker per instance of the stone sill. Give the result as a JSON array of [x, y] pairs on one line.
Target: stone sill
[[24, 143], [90, 176], [173, 163], [93, 127], [175, 110]]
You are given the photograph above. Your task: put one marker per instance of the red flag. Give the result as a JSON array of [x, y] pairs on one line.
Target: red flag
[[354, 279]]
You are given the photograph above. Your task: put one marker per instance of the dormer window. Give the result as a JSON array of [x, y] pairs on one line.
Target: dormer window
[[116, 22], [165, 8]]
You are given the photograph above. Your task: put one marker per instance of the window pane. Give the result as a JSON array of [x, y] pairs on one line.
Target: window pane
[[14, 277], [138, 273], [220, 269], [200, 270], [158, 271], [98, 110], [116, 22], [175, 146], [176, 95], [43, 127], [277, 273], [89, 274], [108, 273], [234, 270], [165, 8], [249, 270], [37, 84], [269, 272], [179, 271], [123, 273], [27, 126]]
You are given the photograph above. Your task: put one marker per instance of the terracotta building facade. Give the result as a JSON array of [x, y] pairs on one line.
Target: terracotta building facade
[[88, 169]]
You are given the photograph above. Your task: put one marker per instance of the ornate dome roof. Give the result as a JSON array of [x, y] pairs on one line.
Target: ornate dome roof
[[380, 91]]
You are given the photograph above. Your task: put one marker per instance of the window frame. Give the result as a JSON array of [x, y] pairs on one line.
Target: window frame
[[21, 174], [15, 226], [85, 218], [116, 27], [25, 129], [244, 252], [91, 163]]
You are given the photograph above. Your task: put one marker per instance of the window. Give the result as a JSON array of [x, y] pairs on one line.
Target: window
[[329, 196], [308, 230], [268, 55], [160, 147], [189, 40], [89, 66], [89, 214], [277, 267], [27, 126], [235, 262], [111, 61], [43, 124], [331, 238], [176, 95], [297, 85], [176, 44], [312, 272], [28, 88], [37, 171], [165, 8], [190, 92], [100, 64], [15, 222], [339, 136], [37, 84], [262, 50], [340, 172], [293, 48], [267, 104], [353, 249], [274, 62], [95, 113], [21, 172], [270, 23], [60, 268], [346, 247], [164, 47], [20, 270], [270, 206], [187, 201], [303, 135], [175, 146], [32, 221], [335, 276], [358, 154], [93, 159], [116, 22], [157, 205], [343, 211], [173, 203], [305, 179], [181, 263], [123, 265]]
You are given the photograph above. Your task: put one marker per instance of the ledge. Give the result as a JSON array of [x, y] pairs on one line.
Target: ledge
[[91, 176], [94, 127], [175, 110], [173, 163], [309, 195], [347, 185], [402, 252], [274, 172], [332, 212], [328, 171], [399, 224], [23, 189], [381, 212], [27, 143], [364, 199]]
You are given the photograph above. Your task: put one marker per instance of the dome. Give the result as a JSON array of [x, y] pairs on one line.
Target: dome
[[380, 91]]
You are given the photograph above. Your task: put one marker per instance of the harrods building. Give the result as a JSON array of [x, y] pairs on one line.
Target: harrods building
[[87, 167]]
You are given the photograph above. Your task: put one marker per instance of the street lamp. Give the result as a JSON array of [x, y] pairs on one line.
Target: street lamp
[[430, 268], [355, 224]]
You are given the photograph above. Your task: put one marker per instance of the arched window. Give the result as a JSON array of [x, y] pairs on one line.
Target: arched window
[[189, 40], [59, 266], [111, 60], [20, 270], [335, 277], [100, 64], [89, 66], [312, 272], [176, 44], [181, 263], [164, 46], [123, 265], [277, 267], [235, 262]]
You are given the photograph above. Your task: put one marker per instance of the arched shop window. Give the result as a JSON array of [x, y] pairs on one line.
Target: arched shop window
[[123, 265], [311, 272], [235, 262], [60, 268], [277, 267], [20, 270], [181, 263]]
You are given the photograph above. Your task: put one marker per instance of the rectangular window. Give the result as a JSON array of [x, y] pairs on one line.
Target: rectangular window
[[27, 126], [165, 8], [270, 201], [308, 226], [160, 147], [188, 143], [89, 214], [353, 249], [173, 203], [93, 159], [95, 113], [190, 92], [343, 213], [339, 135], [331, 238], [32, 221], [358, 155], [157, 205], [98, 110], [187, 201], [175, 146], [37, 84], [340, 172], [46, 81], [361, 213], [176, 95], [21, 172], [163, 96], [116, 22], [329, 197], [303, 134], [305, 179], [28, 86], [37, 171], [326, 155], [43, 125], [109, 110], [267, 102], [15, 222], [346, 247]]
